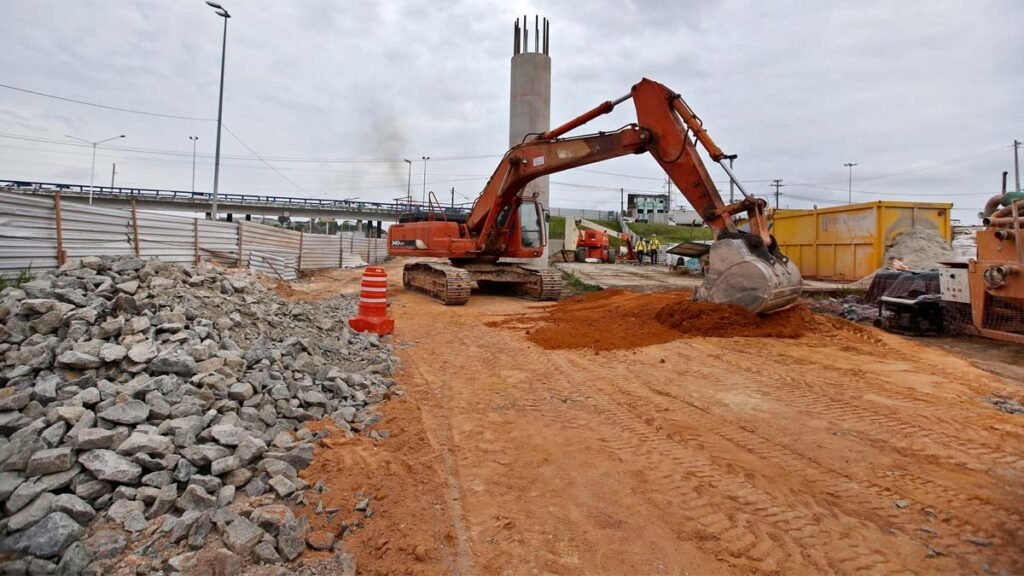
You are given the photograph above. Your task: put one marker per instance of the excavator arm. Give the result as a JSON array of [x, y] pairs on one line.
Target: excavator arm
[[746, 268], [664, 124]]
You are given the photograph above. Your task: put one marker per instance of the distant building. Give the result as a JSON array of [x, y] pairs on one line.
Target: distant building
[[643, 207]]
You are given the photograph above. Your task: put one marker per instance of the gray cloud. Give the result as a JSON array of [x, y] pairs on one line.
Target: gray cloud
[[795, 88]]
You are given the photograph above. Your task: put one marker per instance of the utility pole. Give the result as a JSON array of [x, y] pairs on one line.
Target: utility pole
[[1016, 163], [622, 203], [453, 196], [777, 183], [195, 140], [92, 169], [849, 197], [424, 199], [113, 171], [219, 11], [408, 191]]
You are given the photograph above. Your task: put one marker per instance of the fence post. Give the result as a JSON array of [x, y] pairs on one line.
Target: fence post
[[341, 249], [241, 227], [195, 238], [299, 266], [61, 255], [135, 228]]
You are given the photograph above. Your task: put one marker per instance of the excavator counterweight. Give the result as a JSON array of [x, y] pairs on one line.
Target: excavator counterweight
[[745, 268]]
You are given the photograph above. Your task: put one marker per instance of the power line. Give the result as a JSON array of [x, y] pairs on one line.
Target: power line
[[253, 152], [104, 106], [874, 193]]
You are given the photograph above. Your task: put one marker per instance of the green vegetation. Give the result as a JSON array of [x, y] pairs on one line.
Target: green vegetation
[[556, 227], [571, 285], [24, 276], [612, 224], [669, 234]]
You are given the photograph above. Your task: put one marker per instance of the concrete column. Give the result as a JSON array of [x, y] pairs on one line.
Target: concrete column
[[530, 99]]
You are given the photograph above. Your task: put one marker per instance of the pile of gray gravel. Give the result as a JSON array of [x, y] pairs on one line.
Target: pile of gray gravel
[[150, 410]]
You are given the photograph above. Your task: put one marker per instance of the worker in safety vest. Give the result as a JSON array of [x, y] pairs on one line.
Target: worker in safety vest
[[653, 245], [640, 249]]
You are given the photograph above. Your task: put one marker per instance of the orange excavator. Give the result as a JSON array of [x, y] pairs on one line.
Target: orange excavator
[[746, 268]]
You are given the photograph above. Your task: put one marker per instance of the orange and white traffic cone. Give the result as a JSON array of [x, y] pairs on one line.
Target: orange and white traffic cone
[[373, 304]]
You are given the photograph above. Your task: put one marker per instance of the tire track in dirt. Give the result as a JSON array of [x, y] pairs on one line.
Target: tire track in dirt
[[962, 415], [754, 497], [852, 496], [439, 430], [849, 544]]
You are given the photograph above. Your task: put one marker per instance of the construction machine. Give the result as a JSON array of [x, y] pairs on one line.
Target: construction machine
[[746, 268], [588, 240]]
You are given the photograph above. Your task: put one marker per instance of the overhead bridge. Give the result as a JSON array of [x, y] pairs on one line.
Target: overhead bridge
[[238, 205]]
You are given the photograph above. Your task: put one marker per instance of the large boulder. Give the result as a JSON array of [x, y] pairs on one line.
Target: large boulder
[[110, 466], [130, 412], [47, 538]]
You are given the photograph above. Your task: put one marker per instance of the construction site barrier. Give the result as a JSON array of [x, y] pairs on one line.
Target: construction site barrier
[[41, 233]]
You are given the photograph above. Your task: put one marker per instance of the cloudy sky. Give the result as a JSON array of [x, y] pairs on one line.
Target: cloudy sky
[[923, 95]]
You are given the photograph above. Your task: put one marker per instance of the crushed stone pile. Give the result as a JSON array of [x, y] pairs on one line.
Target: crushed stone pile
[[619, 319], [919, 249], [151, 417]]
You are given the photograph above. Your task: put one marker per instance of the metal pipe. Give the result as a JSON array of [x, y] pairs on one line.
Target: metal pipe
[[992, 204], [1004, 234], [1002, 221], [1008, 209], [602, 108], [734, 179]]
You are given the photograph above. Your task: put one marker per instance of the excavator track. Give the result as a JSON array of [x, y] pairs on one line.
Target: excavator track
[[440, 281], [547, 284]]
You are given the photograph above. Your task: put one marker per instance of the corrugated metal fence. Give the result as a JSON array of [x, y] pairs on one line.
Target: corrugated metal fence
[[41, 233]]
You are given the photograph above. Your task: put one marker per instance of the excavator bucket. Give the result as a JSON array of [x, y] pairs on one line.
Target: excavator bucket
[[747, 274]]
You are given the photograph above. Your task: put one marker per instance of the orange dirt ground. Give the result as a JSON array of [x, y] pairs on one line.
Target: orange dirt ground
[[843, 450]]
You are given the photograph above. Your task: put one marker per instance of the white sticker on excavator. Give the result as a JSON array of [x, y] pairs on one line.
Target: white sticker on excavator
[[538, 161]]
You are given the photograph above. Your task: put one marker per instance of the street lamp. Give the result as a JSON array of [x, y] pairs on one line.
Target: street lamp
[[408, 190], [849, 198], [424, 199], [195, 140], [92, 171], [219, 11]]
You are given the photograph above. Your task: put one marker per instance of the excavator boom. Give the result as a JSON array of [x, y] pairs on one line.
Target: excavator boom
[[746, 268]]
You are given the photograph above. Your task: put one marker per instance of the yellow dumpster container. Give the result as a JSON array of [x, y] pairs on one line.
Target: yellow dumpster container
[[848, 242]]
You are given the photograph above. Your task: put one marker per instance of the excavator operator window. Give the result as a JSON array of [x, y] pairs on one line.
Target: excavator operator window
[[530, 225]]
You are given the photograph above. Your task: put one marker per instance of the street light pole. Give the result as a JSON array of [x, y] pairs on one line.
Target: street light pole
[[424, 199], [92, 170], [220, 11], [408, 190], [849, 198], [195, 140]]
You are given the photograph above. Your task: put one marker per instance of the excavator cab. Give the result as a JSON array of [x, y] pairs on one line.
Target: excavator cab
[[531, 225]]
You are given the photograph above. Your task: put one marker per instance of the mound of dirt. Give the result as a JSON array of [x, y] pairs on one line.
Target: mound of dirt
[[619, 319], [731, 321]]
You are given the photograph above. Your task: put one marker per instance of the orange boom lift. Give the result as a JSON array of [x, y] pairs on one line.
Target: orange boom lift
[[746, 268]]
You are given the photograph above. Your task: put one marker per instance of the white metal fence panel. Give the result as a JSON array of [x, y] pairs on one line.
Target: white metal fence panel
[[28, 239], [320, 251], [94, 231], [370, 250], [218, 242], [270, 250], [167, 237], [28, 234]]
